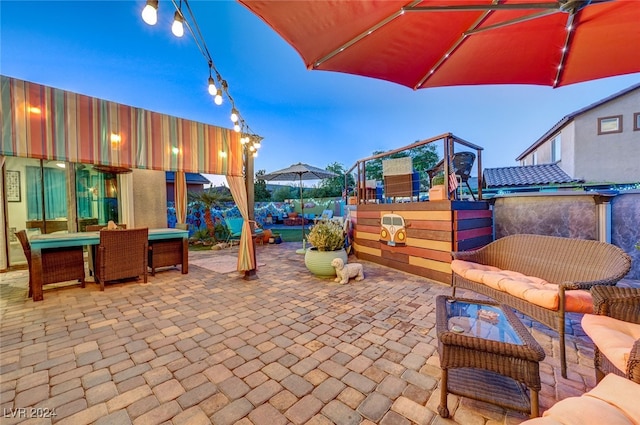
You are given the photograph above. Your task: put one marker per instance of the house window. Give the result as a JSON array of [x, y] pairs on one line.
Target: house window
[[636, 121], [534, 158], [608, 125], [556, 149]]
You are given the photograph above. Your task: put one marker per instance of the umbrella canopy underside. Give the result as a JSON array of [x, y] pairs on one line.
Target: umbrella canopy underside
[[433, 43]]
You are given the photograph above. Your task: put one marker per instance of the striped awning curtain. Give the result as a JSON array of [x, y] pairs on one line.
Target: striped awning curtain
[[180, 196], [48, 123]]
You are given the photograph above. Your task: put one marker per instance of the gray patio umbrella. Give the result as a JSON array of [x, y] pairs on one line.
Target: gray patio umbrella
[[300, 172]]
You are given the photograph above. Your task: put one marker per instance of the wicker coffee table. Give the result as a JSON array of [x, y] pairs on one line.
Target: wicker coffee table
[[486, 354]]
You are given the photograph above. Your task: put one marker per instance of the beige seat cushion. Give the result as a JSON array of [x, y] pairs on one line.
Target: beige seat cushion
[[614, 401], [614, 337], [529, 288]]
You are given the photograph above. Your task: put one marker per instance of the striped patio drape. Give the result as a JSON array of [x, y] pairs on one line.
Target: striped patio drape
[[180, 196], [48, 123]]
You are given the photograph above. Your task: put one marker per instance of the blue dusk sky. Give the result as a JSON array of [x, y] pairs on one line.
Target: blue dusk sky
[[104, 49]]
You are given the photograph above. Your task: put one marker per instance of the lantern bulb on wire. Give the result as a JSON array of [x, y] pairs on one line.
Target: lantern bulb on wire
[[218, 99], [150, 12], [234, 115], [212, 87], [236, 127], [178, 27]]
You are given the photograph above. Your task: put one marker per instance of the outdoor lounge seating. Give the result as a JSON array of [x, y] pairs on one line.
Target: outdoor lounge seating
[[614, 329], [121, 254], [614, 401], [234, 226], [58, 264], [543, 277], [462, 163]]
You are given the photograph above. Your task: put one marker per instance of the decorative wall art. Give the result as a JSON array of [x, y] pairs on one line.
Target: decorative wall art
[[13, 186]]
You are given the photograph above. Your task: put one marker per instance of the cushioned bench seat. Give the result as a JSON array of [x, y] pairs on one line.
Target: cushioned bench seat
[[529, 288]]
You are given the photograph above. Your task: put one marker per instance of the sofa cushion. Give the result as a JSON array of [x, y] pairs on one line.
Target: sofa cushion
[[613, 337], [614, 401], [530, 288]]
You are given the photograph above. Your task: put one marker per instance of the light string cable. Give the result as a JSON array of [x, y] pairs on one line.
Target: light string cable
[[240, 125]]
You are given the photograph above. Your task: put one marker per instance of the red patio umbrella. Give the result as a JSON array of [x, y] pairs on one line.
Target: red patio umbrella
[[431, 43]]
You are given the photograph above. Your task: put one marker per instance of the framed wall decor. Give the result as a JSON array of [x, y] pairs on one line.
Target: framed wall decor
[[13, 186]]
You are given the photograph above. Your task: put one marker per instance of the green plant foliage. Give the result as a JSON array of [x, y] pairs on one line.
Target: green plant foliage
[[326, 235], [439, 179], [261, 194]]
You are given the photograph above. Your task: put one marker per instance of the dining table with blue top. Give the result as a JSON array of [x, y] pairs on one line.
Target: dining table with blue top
[[40, 244]]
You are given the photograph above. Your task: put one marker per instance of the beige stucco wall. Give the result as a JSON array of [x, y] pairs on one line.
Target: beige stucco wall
[[149, 198], [609, 157]]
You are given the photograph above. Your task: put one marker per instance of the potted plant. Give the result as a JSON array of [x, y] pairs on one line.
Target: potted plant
[[327, 239], [436, 192]]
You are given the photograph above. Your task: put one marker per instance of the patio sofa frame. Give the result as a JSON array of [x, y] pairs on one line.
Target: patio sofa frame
[[571, 264]]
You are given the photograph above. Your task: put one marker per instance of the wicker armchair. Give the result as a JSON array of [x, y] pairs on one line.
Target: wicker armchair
[[617, 334], [58, 264], [121, 254]]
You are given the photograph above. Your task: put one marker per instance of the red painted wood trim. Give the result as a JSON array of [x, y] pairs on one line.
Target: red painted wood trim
[[473, 233], [462, 215]]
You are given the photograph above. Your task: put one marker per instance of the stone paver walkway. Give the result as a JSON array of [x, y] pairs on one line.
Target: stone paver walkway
[[288, 348]]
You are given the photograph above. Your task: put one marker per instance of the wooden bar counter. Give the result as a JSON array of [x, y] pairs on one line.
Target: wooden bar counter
[[433, 229]]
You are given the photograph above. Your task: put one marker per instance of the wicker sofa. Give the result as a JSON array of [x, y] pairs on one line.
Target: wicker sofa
[[541, 276]]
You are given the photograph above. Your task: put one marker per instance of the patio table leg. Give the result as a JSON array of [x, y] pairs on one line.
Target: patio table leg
[[35, 274], [443, 411]]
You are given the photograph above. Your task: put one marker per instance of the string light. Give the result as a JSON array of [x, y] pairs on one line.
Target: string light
[[150, 12], [150, 16], [178, 27]]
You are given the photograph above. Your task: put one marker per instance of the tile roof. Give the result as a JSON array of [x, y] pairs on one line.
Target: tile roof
[[527, 175], [192, 178]]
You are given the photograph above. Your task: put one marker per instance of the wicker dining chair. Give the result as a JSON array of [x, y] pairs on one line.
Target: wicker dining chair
[[121, 254], [58, 264]]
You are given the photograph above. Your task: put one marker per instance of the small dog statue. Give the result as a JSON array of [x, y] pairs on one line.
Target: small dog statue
[[345, 271]]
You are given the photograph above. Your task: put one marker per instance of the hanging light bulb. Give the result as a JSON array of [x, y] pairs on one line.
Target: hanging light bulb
[[218, 99], [212, 86], [236, 127], [234, 115], [178, 27], [150, 12]]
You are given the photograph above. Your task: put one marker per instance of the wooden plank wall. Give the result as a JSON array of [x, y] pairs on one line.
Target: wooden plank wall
[[434, 229]]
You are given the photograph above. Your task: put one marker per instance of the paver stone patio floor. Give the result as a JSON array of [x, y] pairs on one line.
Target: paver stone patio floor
[[207, 347]]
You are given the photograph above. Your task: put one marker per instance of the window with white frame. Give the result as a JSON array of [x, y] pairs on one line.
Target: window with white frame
[[534, 158], [607, 125], [556, 148]]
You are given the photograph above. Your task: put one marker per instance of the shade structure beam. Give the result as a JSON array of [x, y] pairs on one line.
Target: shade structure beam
[[360, 36], [453, 48], [484, 7], [565, 49], [510, 22]]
